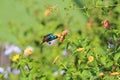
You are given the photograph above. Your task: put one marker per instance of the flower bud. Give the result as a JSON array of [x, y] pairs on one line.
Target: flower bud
[[55, 60], [101, 74], [47, 12], [106, 24]]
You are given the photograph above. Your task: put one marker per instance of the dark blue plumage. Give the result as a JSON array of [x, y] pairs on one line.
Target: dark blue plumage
[[49, 37]]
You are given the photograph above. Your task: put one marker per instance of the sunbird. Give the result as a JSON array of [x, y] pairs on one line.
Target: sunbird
[[49, 37]]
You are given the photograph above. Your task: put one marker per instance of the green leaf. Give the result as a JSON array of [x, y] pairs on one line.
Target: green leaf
[[86, 74], [117, 56], [1, 75], [109, 64], [103, 60]]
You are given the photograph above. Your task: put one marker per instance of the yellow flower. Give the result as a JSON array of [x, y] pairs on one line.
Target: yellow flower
[[28, 51], [15, 58], [80, 49], [90, 59], [114, 73], [55, 60]]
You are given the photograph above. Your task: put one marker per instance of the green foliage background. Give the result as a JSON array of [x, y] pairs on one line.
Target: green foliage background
[[23, 23]]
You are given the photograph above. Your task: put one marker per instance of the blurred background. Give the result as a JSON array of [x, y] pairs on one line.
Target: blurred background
[[23, 23]]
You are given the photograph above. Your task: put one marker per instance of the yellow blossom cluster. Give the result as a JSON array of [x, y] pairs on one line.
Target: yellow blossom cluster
[[15, 58]]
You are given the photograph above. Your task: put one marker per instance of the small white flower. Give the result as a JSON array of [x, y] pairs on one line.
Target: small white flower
[[6, 76], [30, 47], [69, 47], [55, 73], [26, 68], [109, 45], [1, 70], [62, 72]]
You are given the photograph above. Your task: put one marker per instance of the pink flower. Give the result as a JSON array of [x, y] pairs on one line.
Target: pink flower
[[106, 24]]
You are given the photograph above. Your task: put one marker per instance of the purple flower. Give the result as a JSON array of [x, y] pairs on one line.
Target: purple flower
[[6, 76], [8, 69], [62, 72], [16, 71], [11, 49], [65, 52]]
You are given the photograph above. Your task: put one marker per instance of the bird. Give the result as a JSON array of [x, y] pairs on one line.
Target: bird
[[49, 37]]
